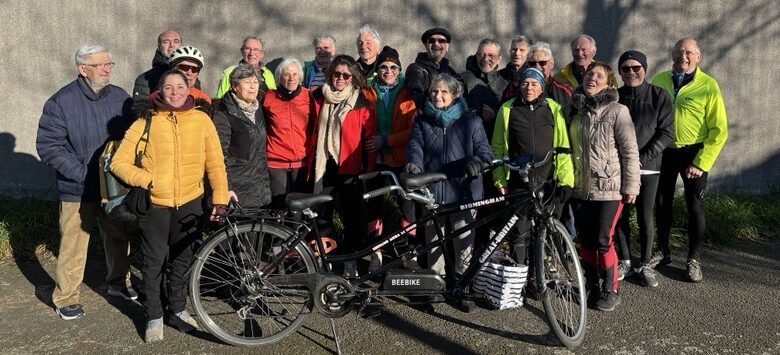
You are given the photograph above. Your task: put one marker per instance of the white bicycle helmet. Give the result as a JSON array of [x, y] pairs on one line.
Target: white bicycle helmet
[[186, 52]]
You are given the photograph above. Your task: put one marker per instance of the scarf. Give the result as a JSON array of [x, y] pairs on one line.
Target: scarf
[[334, 110], [249, 109], [287, 95], [444, 117], [386, 95]]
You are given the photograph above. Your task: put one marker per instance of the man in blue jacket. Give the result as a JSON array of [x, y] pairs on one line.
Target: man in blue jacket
[[75, 124]]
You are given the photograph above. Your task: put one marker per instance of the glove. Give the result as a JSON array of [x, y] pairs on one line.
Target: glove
[[564, 193], [412, 168], [472, 168]]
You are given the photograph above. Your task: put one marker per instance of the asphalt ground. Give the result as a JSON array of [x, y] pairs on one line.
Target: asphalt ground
[[736, 310]]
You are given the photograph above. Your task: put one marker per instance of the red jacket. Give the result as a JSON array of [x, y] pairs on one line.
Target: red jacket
[[287, 125], [359, 125], [400, 127]]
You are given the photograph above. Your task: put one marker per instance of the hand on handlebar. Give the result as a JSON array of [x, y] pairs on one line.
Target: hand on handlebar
[[473, 168]]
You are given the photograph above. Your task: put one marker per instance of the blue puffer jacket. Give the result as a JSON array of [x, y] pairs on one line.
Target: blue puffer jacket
[[74, 126], [447, 149]]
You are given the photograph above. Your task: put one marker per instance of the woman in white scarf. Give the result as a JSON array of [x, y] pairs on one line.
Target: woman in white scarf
[[344, 121]]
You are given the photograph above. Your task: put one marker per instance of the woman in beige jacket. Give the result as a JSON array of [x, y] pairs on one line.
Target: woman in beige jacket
[[606, 175]]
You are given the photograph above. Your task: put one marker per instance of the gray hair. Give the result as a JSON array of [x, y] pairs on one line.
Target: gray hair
[[520, 39], [87, 50], [321, 37], [456, 88], [372, 32], [543, 47], [487, 41], [256, 38], [589, 38], [241, 72], [286, 63]]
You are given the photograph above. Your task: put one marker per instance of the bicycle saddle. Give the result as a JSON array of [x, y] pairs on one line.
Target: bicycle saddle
[[416, 181], [300, 201]]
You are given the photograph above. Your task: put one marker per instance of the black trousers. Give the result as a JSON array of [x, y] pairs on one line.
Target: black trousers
[[645, 204], [347, 191], [674, 163], [284, 181], [172, 232]]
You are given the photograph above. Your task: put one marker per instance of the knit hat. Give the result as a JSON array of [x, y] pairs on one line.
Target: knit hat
[[388, 54], [635, 55], [533, 73], [436, 31]]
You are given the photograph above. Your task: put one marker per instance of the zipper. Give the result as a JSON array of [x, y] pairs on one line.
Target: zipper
[[175, 120]]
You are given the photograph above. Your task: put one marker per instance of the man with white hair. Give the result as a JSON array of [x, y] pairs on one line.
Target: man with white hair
[[583, 49], [75, 124], [484, 85], [368, 44], [314, 71], [540, 57]]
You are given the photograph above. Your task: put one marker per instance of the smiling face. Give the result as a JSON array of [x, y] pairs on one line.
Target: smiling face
[[167, 42], [437, 47], [291, 77], [324, 51], [341, 77], [388, 72], [441, 95], [368, 48], [191, 70], [686, 56], [540, 60], [97, 70], [488, 57], [582, 52], [252, 51], [247, 88], [595, 80], [175, 90], [632, 73]]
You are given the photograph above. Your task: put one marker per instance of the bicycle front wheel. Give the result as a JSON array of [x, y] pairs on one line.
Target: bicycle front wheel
[[559, 272], [233, 300]]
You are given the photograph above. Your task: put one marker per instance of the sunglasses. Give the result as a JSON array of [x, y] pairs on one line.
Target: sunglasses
[[184, 68], [628, 68], [542, 63], [437, 40], [389, 68], [345, 76]]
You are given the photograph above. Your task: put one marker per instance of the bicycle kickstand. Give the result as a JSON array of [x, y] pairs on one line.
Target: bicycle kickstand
[[335, 336]]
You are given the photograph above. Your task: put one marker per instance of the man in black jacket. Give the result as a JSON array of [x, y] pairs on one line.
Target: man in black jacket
[[146, 83], [653, 115], [429, 63]]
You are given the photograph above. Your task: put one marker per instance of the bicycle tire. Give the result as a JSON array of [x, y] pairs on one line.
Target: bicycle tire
[[563, 293], [233, 301]]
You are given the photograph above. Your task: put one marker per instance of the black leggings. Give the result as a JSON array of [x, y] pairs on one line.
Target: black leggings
[[172, 232], [595, 226], [645, 203], [674, 163], [347, 191]]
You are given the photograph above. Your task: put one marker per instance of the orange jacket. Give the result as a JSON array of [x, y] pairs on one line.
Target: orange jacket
[[394, 155]]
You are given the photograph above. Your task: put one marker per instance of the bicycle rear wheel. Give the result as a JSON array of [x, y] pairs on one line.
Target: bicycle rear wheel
[[233, 300], [563, 285]]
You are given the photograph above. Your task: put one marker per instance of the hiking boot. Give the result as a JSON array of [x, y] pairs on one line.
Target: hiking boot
[[659, 259], [183, 321], [70, 312], [647, 275], [694, 271], [350, 270], [624, 269], [128, 293], [154, 330], [608, 300]]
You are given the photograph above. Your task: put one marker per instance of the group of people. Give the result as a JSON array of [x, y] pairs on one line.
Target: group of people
[[314, 126]]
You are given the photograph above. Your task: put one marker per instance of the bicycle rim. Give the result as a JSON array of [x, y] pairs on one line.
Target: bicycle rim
[[231, 298], [563, 295]]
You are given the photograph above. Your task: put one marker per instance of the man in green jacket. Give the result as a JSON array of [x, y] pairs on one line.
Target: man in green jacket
[[253, 51], [583, 49], [701, 130]]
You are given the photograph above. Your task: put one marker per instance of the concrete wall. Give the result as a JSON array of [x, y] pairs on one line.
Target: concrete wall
[[739, 40]]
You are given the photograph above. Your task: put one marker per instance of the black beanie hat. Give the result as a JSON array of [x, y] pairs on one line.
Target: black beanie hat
[[388, 54], [436, 31], [635, 55]]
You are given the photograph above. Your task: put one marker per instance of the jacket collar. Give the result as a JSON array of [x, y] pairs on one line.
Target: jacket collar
[[423, 59], [633, 92], [594, 103], [87, 90], [231, 107], [159, 60]]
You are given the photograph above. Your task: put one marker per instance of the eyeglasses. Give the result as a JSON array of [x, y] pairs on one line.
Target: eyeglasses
[[628, 68], [542, 63], [101, 66], [487, 55], [250, 50], [345, 76], [437, 40], [389, 68], [184, 68]]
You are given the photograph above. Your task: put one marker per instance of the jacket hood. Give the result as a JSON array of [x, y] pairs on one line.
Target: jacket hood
[[159, 60], [593, 103]]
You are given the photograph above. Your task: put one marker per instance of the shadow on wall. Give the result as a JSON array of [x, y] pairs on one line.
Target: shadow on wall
[[22, 174], [764, 178]]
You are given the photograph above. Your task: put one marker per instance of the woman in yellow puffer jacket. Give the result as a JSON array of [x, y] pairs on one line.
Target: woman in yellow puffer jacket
[[183, 145]]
